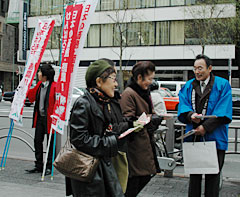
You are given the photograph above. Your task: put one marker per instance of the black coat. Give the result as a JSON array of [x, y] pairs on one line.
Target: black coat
[[87, 134]]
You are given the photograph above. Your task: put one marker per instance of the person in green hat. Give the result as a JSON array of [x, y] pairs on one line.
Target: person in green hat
[[96, 123]]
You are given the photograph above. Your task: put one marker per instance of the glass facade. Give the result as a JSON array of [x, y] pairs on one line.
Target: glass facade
[[136, 34], [54, 41], [46, 7], [157, 33]]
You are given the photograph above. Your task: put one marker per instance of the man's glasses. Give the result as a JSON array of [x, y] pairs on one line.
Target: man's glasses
[[197, 68]]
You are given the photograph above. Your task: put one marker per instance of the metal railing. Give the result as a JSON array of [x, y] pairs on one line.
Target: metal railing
[[18, 137], [236, 141], [22, 139]]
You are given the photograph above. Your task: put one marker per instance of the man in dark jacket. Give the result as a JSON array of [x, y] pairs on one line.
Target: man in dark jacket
[[44, 95]]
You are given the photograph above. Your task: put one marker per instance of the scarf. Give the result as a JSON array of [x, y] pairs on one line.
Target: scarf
[[145, 94], [104, 102]]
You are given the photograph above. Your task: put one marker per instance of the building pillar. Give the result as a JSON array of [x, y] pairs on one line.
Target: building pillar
[[185, 75]]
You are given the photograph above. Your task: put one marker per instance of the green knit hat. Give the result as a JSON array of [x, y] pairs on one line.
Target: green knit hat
[[95, 70]]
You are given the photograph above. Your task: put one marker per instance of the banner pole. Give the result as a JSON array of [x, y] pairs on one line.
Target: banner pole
[[53, 155], [10, 128], [10, 137], [45, 162]]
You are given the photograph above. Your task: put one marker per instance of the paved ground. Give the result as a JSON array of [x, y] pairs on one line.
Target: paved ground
[[15, 182]]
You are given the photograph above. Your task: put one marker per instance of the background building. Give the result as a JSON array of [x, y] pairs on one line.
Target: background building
[[153, 30], [8, 49]]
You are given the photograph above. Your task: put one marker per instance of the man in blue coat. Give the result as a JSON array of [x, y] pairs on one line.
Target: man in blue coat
[[206, 94]]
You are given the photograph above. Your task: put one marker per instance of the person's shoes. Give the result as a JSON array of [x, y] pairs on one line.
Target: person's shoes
[[34, 170], [48, 171]]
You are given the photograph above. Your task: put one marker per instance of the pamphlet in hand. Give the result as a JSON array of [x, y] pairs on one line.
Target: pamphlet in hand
[[205, 116], [191, 132], [142, 120]]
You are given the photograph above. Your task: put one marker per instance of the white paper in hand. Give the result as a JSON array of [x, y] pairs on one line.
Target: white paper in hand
[[143, 120]]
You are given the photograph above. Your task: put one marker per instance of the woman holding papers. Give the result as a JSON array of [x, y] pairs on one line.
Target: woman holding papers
[[141, 154], [95, 126]]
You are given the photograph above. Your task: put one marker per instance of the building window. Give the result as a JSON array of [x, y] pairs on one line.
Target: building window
[[56, 34], [147, 33], [46, 7], [94, 36], [106, 4], [134, 4], [107, 35], [162, 33], [177, 32], [53, 42], [98, 6], [35, 7], [57, 6], [120, 4], [148, 3], [190, 2], [160, 3], [177, 2], [134, 34], [120, 32], [30, 36]]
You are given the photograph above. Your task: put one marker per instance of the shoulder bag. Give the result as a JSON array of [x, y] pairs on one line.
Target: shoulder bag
[[75, 164]]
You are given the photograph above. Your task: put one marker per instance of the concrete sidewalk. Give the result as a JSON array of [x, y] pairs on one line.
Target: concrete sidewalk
[[15, 182]]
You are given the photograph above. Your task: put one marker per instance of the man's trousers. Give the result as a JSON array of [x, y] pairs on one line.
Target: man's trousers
[[41, 130], [211, 180]]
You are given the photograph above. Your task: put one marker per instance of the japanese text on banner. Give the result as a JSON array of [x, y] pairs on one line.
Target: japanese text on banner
[[74, 34], [69, 45], [38, 46]]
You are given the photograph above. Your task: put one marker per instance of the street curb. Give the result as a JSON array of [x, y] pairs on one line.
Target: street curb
[[226, 179]]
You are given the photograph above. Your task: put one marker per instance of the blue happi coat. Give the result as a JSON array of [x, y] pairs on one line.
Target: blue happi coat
[[219, 104]]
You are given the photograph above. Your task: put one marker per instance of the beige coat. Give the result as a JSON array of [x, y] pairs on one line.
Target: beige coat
[[140, 154]]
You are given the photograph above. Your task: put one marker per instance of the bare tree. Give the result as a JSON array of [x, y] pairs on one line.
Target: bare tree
[[208, 24], [119, 18], [210, 27]]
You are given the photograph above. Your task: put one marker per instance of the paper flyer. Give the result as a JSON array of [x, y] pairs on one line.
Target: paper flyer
[[143, 120]]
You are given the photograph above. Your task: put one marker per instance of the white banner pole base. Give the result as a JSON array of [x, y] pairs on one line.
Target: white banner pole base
[[45, 162]]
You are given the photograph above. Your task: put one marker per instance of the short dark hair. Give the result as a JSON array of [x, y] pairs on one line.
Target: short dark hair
[[142, 68], [206, 58], [48, 71]]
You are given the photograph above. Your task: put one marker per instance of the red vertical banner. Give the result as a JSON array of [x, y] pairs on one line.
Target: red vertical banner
[[76, 24], [68, 57]]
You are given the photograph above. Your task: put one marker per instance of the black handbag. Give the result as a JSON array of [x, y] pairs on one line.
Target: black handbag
[[75, 164]]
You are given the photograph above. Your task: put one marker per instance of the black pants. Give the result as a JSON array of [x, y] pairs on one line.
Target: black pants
[[41, 130], [136, 184], [211, 180]]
